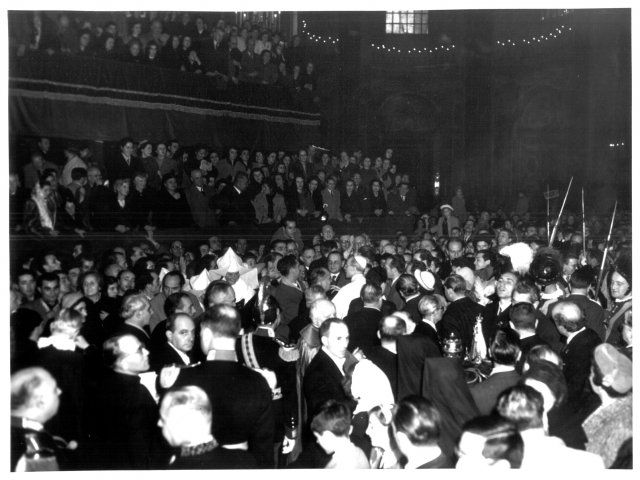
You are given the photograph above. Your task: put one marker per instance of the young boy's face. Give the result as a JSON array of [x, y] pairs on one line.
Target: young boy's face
[[326, 440]]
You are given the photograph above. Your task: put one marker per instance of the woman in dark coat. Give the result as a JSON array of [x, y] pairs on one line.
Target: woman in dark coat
[[175, 211]]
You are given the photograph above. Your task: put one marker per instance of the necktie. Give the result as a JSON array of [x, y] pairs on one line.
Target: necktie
[[334, 279], [445, 227], [402, 198]]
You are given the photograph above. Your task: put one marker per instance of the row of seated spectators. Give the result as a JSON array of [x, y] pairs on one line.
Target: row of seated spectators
[[228, 52]]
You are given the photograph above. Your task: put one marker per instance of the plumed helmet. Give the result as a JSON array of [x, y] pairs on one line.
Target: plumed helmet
[[265, 309], [545, 269]]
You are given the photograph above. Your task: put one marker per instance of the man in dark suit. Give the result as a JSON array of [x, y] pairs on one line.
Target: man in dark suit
[[288, 293], [526, 291], [413, 349], [126, 435], [504, 350], [136, 313], [177, 349], [576, 354], [394, 266], [460, 316], [302, 167], [431, 311], [241, 398], [402, 203], [124, 165], [523, 320], [580, 281], [363, 324], [385, 355], [199, 197], [334, 265], [324, 377], [235, 205], [409, 290]]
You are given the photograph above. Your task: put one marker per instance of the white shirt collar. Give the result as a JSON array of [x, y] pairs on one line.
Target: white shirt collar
[[571, 335], [429, 322], [502, 369], [338, 361], [185, 358]]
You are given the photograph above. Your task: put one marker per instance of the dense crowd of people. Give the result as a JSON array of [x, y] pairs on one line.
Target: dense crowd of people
[[230, 53], [292, 337]]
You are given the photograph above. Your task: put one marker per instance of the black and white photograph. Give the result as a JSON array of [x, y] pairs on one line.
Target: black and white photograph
[[331, 236]]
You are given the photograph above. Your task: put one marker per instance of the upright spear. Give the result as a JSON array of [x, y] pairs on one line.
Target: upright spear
[[548, 224], [606, 251], [555, 227], [584, 229]]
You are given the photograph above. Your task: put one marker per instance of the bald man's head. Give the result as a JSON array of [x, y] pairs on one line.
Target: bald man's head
[[321, 310], [568, 316]]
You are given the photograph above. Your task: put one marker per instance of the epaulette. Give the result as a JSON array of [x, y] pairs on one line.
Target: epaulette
[[288, 353]]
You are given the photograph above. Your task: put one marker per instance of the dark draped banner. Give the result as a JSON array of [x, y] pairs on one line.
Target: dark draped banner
[[104, 100]]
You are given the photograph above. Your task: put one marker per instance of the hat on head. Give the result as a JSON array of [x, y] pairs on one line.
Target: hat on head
[[616, 368], [169, 175], [446, 205], [361, 261], [425, 279]]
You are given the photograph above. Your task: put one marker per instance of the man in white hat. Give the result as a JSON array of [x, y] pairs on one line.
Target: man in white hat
[[354, 269], [447, 221]]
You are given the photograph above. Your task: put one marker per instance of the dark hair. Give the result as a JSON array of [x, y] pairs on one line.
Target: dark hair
[[488, 255], [317, 275], [370, 293], [215, 288], [397, 262], [170, 324], [286, 264], [48, 277], [523, 316], [526, 285], [407, 285], [523, 405], [505, 346], [502, 441], [326, 325], [456, 283], [377, 275], [172, 303], [551, 375], [78, 173], [334, 417], [418, 419], [174, 273], [582, 277]]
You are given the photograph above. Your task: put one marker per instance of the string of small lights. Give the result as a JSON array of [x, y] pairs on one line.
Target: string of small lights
[[616, 145], [557, 32], [318, 38], [381, 47]]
